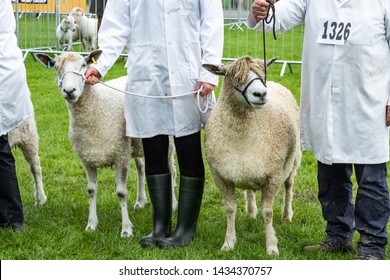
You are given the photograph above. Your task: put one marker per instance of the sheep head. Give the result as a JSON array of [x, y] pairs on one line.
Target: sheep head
[[68, 23], [70, 68], [77, 12], [246, 77]]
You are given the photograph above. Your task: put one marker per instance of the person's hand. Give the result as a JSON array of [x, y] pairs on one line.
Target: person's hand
[[207, 88], [260, 9], [92, 76], [388, 115]]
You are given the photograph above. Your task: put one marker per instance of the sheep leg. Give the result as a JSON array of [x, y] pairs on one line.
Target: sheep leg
[[92, 193], [70, 42], [93, 44], [121, 175], [141, 194], [172, 170], [229, 198], [32, 158], [288, 197], [250, 203], [267, 211], [59, 45], [85, 44]]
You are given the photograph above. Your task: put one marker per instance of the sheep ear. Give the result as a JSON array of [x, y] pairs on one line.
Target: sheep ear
[[93, 56], [216, 69], [80, 11], [46, 60], [271, 61]]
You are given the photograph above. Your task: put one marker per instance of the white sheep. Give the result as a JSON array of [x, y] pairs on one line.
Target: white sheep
[[67, 32], [26, 138], [252, 143], [96, 130], [88, 28]]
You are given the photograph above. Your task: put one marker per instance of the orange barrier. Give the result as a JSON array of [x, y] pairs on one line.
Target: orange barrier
[[48, 6]]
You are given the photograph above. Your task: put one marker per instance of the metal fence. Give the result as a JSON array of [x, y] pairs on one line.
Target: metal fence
[[37, 21]]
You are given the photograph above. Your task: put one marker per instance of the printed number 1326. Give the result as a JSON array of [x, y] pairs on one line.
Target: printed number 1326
[[337, 31]]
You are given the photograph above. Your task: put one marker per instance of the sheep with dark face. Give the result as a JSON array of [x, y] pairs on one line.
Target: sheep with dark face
[[97, 131], [252, 142]]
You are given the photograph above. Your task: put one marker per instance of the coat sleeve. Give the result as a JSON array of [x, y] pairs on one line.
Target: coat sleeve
[[288, 13], [387, 30], [113, 34], [211, 29]]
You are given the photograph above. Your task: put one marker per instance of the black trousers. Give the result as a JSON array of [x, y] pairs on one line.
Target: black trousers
[[188, 151], [369, 214], [11, 209]]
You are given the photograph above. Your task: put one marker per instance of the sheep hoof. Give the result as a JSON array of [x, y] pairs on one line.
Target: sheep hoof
[[227, 246], [40, 200], [91, 227], [272, 251], [287, 216], [139, 205], [252, 214], [127, 232]]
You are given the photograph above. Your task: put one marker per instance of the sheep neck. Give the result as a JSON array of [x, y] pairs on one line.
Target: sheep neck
[[234, 109], [82, 106]]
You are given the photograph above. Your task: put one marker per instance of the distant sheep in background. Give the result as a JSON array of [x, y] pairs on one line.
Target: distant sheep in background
[[252, 142], [67, 32], [88, 29], [26, 138]]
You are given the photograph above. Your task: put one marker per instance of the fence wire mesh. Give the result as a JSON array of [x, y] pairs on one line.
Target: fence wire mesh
[[37, 21]]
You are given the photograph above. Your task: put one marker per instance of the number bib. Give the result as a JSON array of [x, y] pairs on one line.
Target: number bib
[[333, 32]]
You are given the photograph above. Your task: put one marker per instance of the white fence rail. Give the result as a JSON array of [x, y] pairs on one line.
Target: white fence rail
[[37, 21]]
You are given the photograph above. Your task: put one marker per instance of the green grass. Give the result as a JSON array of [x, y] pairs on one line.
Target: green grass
[[56, 229]]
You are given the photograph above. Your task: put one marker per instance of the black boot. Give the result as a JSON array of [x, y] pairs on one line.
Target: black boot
[[190, 198], [160, 193]]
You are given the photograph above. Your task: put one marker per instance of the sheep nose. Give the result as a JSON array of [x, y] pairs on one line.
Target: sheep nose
[[260, 93], [69, 91]]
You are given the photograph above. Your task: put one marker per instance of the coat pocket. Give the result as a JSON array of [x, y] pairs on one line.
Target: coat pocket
[[189, 7], [141, 63]]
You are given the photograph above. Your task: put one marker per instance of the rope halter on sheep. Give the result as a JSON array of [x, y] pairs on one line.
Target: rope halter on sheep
[[59, 80], [239, 71]]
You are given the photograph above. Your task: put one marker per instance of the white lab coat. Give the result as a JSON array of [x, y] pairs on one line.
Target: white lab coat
[[169, 42], [15, 104], [344, 88]]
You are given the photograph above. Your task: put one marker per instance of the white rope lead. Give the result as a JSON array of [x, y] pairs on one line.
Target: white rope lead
[[153, 96], [207, 102]]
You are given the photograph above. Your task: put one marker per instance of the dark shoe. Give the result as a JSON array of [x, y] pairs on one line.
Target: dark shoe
[[331, 247], [160, 193], [190, 198], [18, 227], [365, 256]]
